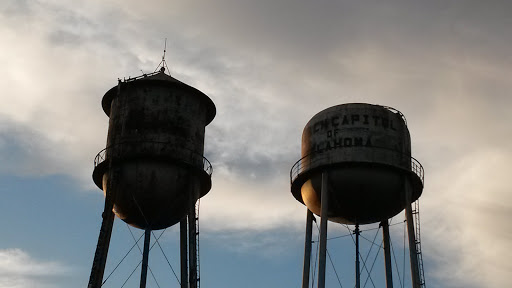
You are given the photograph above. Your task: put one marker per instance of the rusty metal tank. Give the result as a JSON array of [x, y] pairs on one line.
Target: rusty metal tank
[[365, 150], [153, 164]]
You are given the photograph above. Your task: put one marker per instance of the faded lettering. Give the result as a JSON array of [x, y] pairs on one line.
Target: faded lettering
[[340, 121], [341, 142]]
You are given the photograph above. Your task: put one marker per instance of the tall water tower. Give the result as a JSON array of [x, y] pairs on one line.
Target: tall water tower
[[152, 170], [356, 168]]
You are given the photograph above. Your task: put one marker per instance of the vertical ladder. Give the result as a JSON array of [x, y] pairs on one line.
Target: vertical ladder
[[416, 214], [197, 243]]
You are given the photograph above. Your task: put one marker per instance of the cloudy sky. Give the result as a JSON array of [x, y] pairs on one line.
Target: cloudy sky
[[269, 66]]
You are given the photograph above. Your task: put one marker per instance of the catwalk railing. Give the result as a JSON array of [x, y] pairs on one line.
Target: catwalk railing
[[109, 152], [319, 158]]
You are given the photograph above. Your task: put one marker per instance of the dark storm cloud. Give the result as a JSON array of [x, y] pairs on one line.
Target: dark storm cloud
[[312, 31]]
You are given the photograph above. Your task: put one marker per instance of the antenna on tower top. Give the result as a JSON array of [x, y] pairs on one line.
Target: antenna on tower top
[[163, 65], [165, 47]]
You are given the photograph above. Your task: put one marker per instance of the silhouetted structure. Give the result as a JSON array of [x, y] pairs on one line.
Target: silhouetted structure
[[153, 170], [356, 168]]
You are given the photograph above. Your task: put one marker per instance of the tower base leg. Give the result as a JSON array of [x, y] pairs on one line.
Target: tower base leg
[[145, 258], [184, 252], [307, 249], [323, 231], [413, 254], [100, 256], [387, 254]]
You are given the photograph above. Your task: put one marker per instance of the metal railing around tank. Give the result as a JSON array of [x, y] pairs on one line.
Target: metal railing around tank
[[145, 75], [417, 168], [309, 161], [206, 165], [397, 112]]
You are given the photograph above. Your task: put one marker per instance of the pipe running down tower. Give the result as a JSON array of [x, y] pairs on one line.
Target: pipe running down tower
[[356, 168], [152, 170]]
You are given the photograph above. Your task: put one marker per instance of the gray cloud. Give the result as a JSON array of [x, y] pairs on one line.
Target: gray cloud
[[269, 67], [19, 270]]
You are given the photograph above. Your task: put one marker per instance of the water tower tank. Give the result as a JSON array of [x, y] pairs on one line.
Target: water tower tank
[[153, 164], [365, 150]]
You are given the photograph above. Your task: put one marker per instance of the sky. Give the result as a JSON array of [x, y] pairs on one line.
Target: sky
[[268, 66]]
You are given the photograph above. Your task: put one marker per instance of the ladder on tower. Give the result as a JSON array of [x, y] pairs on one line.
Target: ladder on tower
[[416, 214], [197, 243]]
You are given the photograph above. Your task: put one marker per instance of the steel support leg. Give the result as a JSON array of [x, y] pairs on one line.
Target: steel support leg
[[323, 231], [358, 270], [307, 249], [100, 256], [184, 252], [145, 258], [387, 254], [192, 249], [415, 273]]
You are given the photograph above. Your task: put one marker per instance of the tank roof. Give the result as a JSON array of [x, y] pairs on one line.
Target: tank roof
[[360, 104], [162, 77], [158, 75]]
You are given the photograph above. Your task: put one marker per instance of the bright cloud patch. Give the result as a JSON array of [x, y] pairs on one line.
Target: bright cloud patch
[[269, 66], [19, 270]]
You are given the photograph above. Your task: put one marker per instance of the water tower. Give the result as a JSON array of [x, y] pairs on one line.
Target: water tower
[[152, 170], [356, 168]]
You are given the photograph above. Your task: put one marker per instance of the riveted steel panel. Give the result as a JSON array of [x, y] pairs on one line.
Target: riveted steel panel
[[154, 156], [366, 150]]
